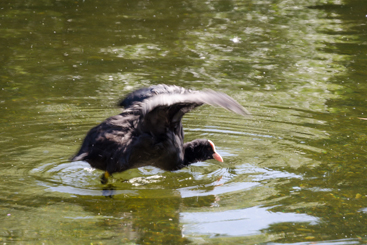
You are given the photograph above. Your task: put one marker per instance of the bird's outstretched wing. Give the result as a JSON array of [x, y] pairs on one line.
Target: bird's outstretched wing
[[146, 93], [165, 111]]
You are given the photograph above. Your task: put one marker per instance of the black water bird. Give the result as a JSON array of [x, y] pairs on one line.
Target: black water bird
[[149, 131]]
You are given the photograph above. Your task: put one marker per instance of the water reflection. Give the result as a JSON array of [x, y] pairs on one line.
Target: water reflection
[[241, 222]]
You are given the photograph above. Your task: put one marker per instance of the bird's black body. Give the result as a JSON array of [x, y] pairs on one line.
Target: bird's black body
[[149, 131]]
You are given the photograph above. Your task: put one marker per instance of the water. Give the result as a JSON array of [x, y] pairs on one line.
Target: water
[[293, 172]]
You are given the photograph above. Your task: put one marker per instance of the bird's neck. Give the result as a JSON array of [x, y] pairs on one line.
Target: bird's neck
[[193, 153]]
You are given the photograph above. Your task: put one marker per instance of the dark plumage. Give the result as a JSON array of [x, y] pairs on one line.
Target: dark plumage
[[149, 131]]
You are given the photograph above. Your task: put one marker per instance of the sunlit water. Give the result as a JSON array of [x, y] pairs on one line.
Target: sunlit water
[[293, 172]]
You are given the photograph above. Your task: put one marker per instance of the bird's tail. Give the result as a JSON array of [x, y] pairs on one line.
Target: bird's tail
[[80, 157]]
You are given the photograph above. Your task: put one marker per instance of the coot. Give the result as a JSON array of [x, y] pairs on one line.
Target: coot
[[149, 131]]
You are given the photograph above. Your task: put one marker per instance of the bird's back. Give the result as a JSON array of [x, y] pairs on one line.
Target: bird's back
[[107, 142]]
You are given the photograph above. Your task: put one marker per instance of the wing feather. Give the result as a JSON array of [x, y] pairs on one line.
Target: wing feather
[[193, 99], [164, 112]]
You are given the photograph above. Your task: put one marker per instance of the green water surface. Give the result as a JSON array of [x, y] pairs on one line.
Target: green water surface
[[293, 172]]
